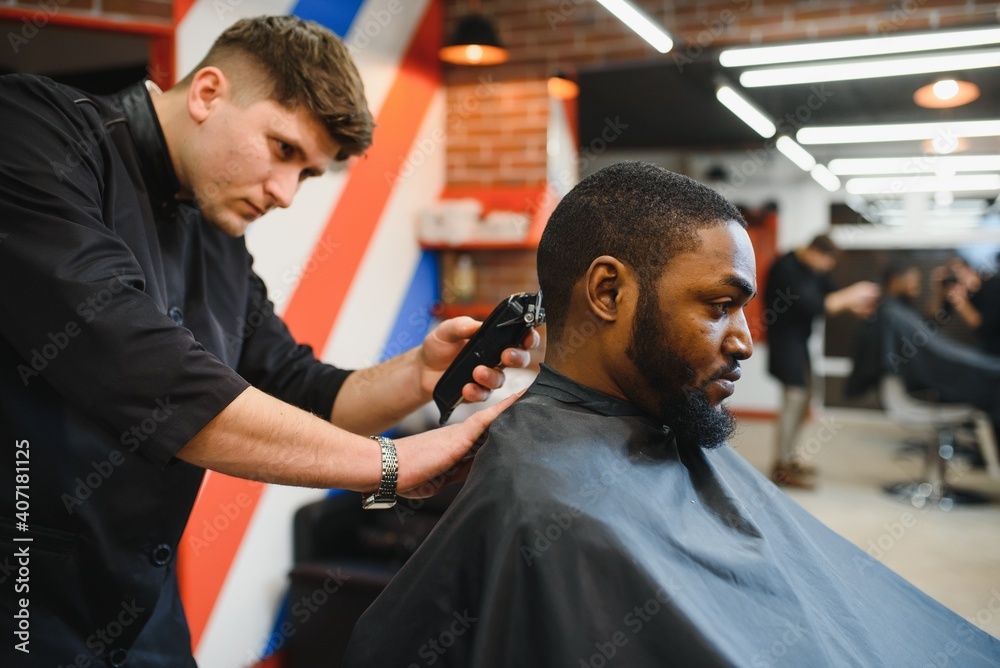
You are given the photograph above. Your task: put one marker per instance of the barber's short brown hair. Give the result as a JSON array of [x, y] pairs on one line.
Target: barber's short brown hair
[[298, 64], [824, 244]]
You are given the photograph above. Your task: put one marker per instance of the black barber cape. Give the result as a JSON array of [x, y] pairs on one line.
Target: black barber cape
[[584, 538], [126, 324], [898, 340]]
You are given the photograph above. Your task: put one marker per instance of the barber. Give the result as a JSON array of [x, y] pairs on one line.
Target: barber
[[138, 347]]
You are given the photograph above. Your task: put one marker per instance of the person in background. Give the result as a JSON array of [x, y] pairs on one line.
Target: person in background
[[959, 288], [902, 283], [798, 291]]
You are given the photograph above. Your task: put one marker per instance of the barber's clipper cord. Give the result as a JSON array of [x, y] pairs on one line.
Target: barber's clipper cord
[[504, 328]]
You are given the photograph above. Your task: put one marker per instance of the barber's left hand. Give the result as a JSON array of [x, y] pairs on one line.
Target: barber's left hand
[[444, 343]]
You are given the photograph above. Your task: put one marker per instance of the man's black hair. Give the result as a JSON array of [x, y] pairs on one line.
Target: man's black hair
[[637, 212]]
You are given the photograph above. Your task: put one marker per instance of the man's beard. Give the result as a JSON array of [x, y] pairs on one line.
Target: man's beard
[[684, 407]]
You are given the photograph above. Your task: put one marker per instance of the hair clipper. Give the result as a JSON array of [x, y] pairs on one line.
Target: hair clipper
[[504, 328]]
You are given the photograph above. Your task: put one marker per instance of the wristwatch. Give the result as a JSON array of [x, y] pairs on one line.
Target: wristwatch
[[385, 495]]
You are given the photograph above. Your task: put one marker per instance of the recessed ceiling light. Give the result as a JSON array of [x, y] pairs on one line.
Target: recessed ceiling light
[[852, 48], [641, 23], [746, 111], [946, 94], [898, 185], [801, 157], [944, 198], [924, 164], [825, 178], [870, 68], [863, 134]]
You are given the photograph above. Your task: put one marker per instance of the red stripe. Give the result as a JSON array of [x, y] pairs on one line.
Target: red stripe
[[314, 307], [317, 301], [209, 544]]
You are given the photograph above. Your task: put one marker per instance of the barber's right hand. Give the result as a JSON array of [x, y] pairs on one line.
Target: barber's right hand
[[861, 298], [433, 459]]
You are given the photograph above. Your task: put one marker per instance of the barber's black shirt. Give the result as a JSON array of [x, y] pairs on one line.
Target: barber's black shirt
[[987, 302], [126, 324], [793, 298]]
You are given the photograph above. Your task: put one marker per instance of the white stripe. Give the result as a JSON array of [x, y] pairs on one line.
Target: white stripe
[[208, 18], [381, 283]]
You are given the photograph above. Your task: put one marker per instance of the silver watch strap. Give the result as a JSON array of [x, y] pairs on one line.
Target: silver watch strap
[[385, 496]]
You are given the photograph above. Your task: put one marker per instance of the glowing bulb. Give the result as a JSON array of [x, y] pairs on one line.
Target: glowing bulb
[[474, 53], [946, 89]]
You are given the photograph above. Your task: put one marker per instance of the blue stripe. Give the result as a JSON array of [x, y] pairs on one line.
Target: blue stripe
[[337, 15], [414, 319]]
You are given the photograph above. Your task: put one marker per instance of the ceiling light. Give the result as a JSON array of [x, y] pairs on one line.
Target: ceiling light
[[944, 198], [825, 178], [945, 89], [746, 111], [869, 69], [851, 48], [923, 184], [946, 94], [638, 21], [860, 134], [561, 87], [945, 144], [925, 164], [474, 42], [795, 153]]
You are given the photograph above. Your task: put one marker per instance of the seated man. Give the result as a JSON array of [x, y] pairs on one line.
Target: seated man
[[605, 522], [899, 340]]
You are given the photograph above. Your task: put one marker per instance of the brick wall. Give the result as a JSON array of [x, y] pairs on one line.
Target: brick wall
[[498, 115], [502, 140]]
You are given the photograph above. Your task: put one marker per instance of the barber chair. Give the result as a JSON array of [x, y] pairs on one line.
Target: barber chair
[[343, 558], [943, 420]]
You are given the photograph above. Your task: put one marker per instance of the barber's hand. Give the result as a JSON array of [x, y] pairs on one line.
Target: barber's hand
[[444, 343], [861, 298], [957, 295], [431, 460]]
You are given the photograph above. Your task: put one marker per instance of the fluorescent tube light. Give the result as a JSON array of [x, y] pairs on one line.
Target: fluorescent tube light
[[825, 178], [746, 111], [795, 153], [852, 48], [638, 21], [869, 69], [923, 184], [926, 164], [861, 134]]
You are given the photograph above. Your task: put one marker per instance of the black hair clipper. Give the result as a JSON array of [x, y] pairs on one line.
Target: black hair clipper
[[504, 328]]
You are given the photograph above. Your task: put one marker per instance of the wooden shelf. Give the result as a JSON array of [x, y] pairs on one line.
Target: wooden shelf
[[536, 201]]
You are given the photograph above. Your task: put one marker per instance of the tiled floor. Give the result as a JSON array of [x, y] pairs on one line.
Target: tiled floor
[[953, 556]]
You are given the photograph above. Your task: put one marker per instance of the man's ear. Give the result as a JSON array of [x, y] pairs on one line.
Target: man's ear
[[607, 281], [208, 86]]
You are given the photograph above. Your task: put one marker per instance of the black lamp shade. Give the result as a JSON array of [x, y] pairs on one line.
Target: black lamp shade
[[474, 42]]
